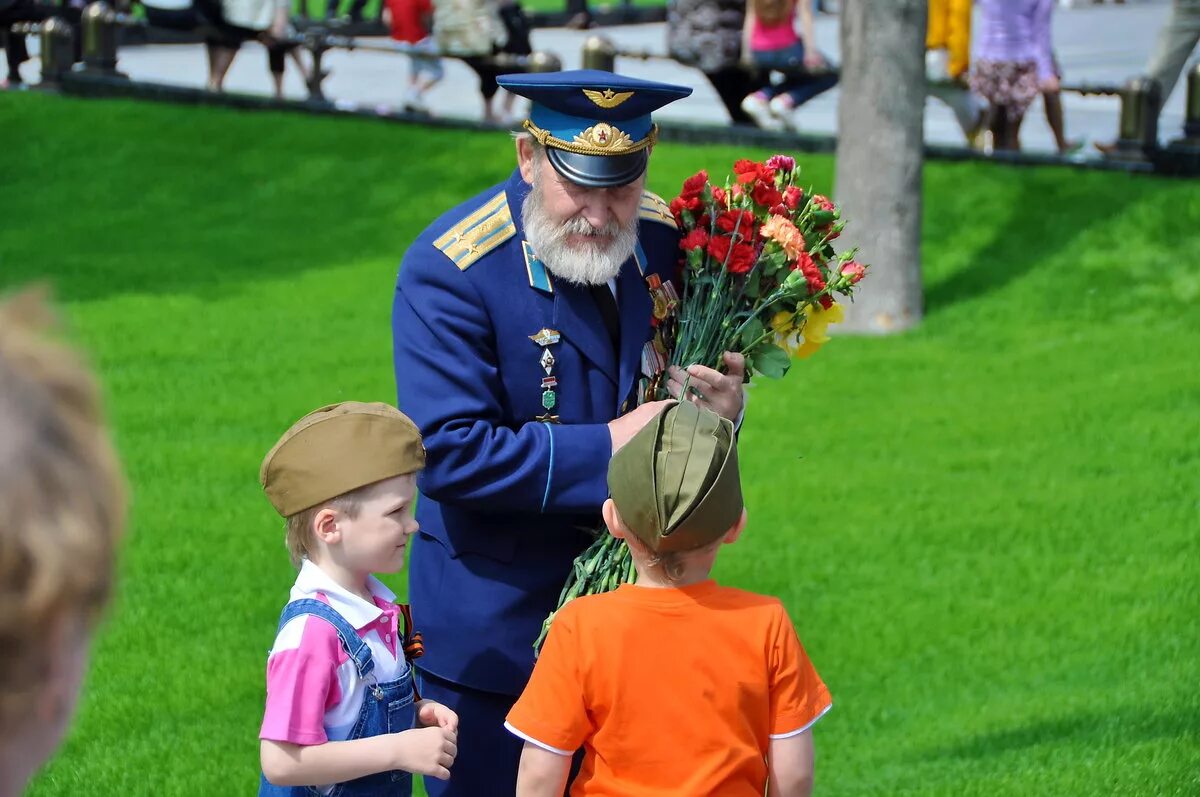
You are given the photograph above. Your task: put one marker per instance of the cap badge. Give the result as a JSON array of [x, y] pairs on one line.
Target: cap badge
[[604, 136], [607, 98]]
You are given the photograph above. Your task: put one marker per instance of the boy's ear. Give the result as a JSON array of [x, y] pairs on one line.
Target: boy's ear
[[736, 531], [325, 526], [612, 519]]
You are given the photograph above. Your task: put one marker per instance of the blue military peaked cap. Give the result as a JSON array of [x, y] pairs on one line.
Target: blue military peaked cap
[[595, 125]]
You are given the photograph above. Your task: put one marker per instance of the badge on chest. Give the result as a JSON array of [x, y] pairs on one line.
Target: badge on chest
[[546, 339]]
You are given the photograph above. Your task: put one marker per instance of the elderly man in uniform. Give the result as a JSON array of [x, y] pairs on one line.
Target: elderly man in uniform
[[522, 324]]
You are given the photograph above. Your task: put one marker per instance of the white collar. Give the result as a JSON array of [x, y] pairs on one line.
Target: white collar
[[358, 612]]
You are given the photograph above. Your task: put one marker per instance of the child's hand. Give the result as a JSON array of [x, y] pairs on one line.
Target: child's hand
[[426, 751], [431, 713]]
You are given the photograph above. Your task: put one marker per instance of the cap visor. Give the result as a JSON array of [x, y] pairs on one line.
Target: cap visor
[[599, 171]]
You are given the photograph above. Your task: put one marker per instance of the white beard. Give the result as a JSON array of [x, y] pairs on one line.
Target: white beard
[[593, 263]]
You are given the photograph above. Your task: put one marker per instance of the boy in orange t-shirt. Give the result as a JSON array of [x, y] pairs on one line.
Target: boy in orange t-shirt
[[674, 685]]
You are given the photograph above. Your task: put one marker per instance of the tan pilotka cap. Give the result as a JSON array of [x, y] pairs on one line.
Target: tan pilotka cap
[[676, 483], [336, 449]]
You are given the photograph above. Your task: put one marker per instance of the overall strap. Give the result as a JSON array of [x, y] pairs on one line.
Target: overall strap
[[358, 650]]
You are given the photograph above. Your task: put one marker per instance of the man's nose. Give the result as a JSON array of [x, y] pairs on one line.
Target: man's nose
[[597, 212]]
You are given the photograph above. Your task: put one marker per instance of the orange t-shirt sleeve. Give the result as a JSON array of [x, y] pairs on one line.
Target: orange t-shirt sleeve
[[551, 710], [798, 695]]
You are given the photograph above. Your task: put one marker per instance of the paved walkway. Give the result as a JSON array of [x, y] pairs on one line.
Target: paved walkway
[[1096, 44]]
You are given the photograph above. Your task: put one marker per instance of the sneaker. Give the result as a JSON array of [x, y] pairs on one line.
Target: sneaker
[[784, 111], [757, 108]]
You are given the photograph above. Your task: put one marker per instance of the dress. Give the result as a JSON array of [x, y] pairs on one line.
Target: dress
[[670, 691], [1013, 53], [512, 379]]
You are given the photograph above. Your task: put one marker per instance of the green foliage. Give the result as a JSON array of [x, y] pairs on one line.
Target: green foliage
[[985, 529]]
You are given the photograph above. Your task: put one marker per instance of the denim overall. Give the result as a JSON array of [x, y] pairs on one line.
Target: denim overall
[[387, 708]]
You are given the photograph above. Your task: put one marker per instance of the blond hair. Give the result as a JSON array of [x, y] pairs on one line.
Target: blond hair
[[62, 499], [301, 539]]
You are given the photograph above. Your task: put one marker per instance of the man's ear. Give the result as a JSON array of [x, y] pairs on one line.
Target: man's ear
[[525, 158], [325, 526]]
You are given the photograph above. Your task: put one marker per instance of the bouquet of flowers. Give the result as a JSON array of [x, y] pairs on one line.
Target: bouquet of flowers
[[758, 274]]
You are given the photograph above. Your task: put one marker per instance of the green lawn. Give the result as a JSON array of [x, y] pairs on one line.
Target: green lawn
[[986, 529]]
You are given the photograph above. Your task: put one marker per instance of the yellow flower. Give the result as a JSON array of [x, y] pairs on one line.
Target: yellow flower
[[784, 233], [784, 322], [816, 327]]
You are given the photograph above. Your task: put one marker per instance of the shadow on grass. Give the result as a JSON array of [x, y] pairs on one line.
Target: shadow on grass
[[1023, 217], [1120, 727]]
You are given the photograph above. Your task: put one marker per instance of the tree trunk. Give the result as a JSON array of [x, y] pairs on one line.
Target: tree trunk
[[879, 156]]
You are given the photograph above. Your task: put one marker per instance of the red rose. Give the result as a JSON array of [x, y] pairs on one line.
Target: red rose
[[792, 196], [766, 194], [739, 221], [696, 239], [822, 202], [742, 259], [854, 270], [694, 185], [719, 196]]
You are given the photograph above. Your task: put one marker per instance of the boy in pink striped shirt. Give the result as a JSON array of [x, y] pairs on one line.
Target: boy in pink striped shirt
[[341, 708]]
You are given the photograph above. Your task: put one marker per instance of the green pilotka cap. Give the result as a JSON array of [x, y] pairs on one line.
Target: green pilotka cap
[[676, 483]]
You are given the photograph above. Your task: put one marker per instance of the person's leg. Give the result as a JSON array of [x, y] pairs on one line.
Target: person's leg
[[732, 85], [1052, 101], [1014, 131], [220, 58], [16, 54], [276, 61], [1175, 43], [998, 123], [803, 89], [488, 754]]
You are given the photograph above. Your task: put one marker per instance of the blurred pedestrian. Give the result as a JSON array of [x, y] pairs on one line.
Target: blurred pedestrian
[[1176, 41], [948, 62], [411, 21], [707, 35], [1013, 63], [770, 42], [62, 513]]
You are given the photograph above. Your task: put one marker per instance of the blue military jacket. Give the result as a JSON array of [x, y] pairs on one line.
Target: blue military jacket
[[514, 422]]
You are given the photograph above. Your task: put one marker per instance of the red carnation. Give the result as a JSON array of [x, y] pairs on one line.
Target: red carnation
[[696, 239], [808, 267], [792, 196], [766, 194], [826, 301], [718, 247], [719, 196], [746, 171], [822, 202], [739, 221], [694, 185], [742, 259]]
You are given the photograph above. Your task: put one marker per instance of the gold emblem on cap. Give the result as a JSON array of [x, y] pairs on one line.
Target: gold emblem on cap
[[607, 98], [604, 136]]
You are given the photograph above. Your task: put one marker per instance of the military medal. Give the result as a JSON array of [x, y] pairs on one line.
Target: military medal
[[545, 338]]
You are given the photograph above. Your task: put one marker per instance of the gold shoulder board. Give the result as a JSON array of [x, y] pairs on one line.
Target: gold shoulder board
[[480, 232], [653, 208]]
